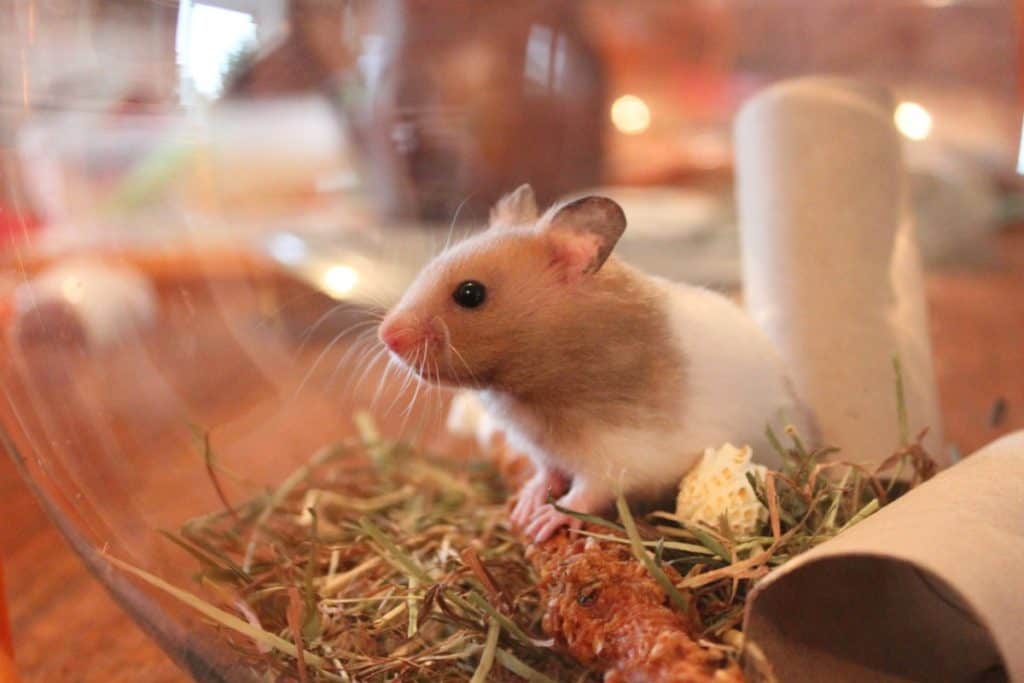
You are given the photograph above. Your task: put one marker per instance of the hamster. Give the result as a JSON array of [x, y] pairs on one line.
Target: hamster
[[609, 379]]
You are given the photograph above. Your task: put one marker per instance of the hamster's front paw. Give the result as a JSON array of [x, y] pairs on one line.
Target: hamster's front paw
[[580, 498], [547, 521], [534, 495]]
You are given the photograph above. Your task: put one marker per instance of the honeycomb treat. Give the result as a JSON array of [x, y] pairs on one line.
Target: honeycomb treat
[[718, 488]]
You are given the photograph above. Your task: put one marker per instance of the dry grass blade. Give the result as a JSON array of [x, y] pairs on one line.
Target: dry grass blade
[[294, 616], [641, 554], [483, 669], [224, 618]]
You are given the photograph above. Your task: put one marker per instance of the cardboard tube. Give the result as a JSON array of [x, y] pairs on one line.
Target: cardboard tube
[[927, 589], [830, 264]]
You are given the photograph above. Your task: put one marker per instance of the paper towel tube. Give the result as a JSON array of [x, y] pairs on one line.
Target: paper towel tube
[[830, 263], [927, 589]]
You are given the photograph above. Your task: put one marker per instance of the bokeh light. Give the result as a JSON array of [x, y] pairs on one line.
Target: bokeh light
[[913, 120], [631, 115]]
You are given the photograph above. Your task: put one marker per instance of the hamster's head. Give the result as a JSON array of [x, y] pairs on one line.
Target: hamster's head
[[486, 312]]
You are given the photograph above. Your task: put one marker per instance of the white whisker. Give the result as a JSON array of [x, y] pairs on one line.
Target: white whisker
[[274, 313], [366, 345], [323, 353], [455, 218], [476, 382], [419, 383], [410, 373], [323, 318], [382, 382], [438, 411], [371, 363], [410, 369]]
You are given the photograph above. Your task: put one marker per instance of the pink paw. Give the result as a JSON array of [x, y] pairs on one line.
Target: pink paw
[[547, 521], [534, 495], [584, 497]]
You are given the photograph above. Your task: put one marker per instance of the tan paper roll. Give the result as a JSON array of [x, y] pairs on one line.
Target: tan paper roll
[[930, 588], [830, 263]]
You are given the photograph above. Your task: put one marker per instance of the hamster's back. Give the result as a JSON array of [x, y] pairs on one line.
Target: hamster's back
[[736, 383]]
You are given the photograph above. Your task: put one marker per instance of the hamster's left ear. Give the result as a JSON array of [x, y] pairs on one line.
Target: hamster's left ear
[[518, 207], [583, 233]]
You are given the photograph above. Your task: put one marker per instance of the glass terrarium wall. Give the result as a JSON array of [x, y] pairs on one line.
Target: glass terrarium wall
[[386, 111], [651, 94], [203, 203]]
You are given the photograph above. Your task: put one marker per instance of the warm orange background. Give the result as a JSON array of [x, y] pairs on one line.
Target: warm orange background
[[7, 672]]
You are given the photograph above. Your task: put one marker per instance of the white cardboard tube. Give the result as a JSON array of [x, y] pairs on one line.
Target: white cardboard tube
[[830, 263]]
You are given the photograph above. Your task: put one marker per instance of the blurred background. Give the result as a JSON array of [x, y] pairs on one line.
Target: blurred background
[[129, 123], [178, 178]]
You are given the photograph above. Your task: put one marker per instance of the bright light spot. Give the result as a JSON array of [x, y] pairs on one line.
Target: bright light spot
[[209, 39], [913, 120], [631, 115], [73, 289], [339, 280], [1020, 153], [287, 248]]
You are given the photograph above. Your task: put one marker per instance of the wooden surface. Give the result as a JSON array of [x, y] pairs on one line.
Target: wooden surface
[[66, 628]]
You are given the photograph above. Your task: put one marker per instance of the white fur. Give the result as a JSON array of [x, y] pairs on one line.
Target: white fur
[[735, 386], [736, 383]]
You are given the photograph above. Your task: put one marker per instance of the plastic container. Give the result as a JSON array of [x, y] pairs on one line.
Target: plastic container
[[258, 176]]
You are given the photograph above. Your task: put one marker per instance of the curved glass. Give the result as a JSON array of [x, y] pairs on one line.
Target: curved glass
[[202, 205]]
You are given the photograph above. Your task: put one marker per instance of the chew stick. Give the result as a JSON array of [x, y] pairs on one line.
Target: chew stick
[[606, 609]]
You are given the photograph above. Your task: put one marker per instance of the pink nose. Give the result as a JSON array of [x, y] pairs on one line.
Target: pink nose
[[399, 333]]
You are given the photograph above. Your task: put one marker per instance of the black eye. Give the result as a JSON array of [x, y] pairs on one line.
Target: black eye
[[469, 294]]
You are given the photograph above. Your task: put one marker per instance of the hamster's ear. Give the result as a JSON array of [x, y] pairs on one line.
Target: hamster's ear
[[519, 207], [584, 232]]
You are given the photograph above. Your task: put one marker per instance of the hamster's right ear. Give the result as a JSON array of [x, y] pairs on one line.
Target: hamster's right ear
[[583, 233], [519, 207]]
